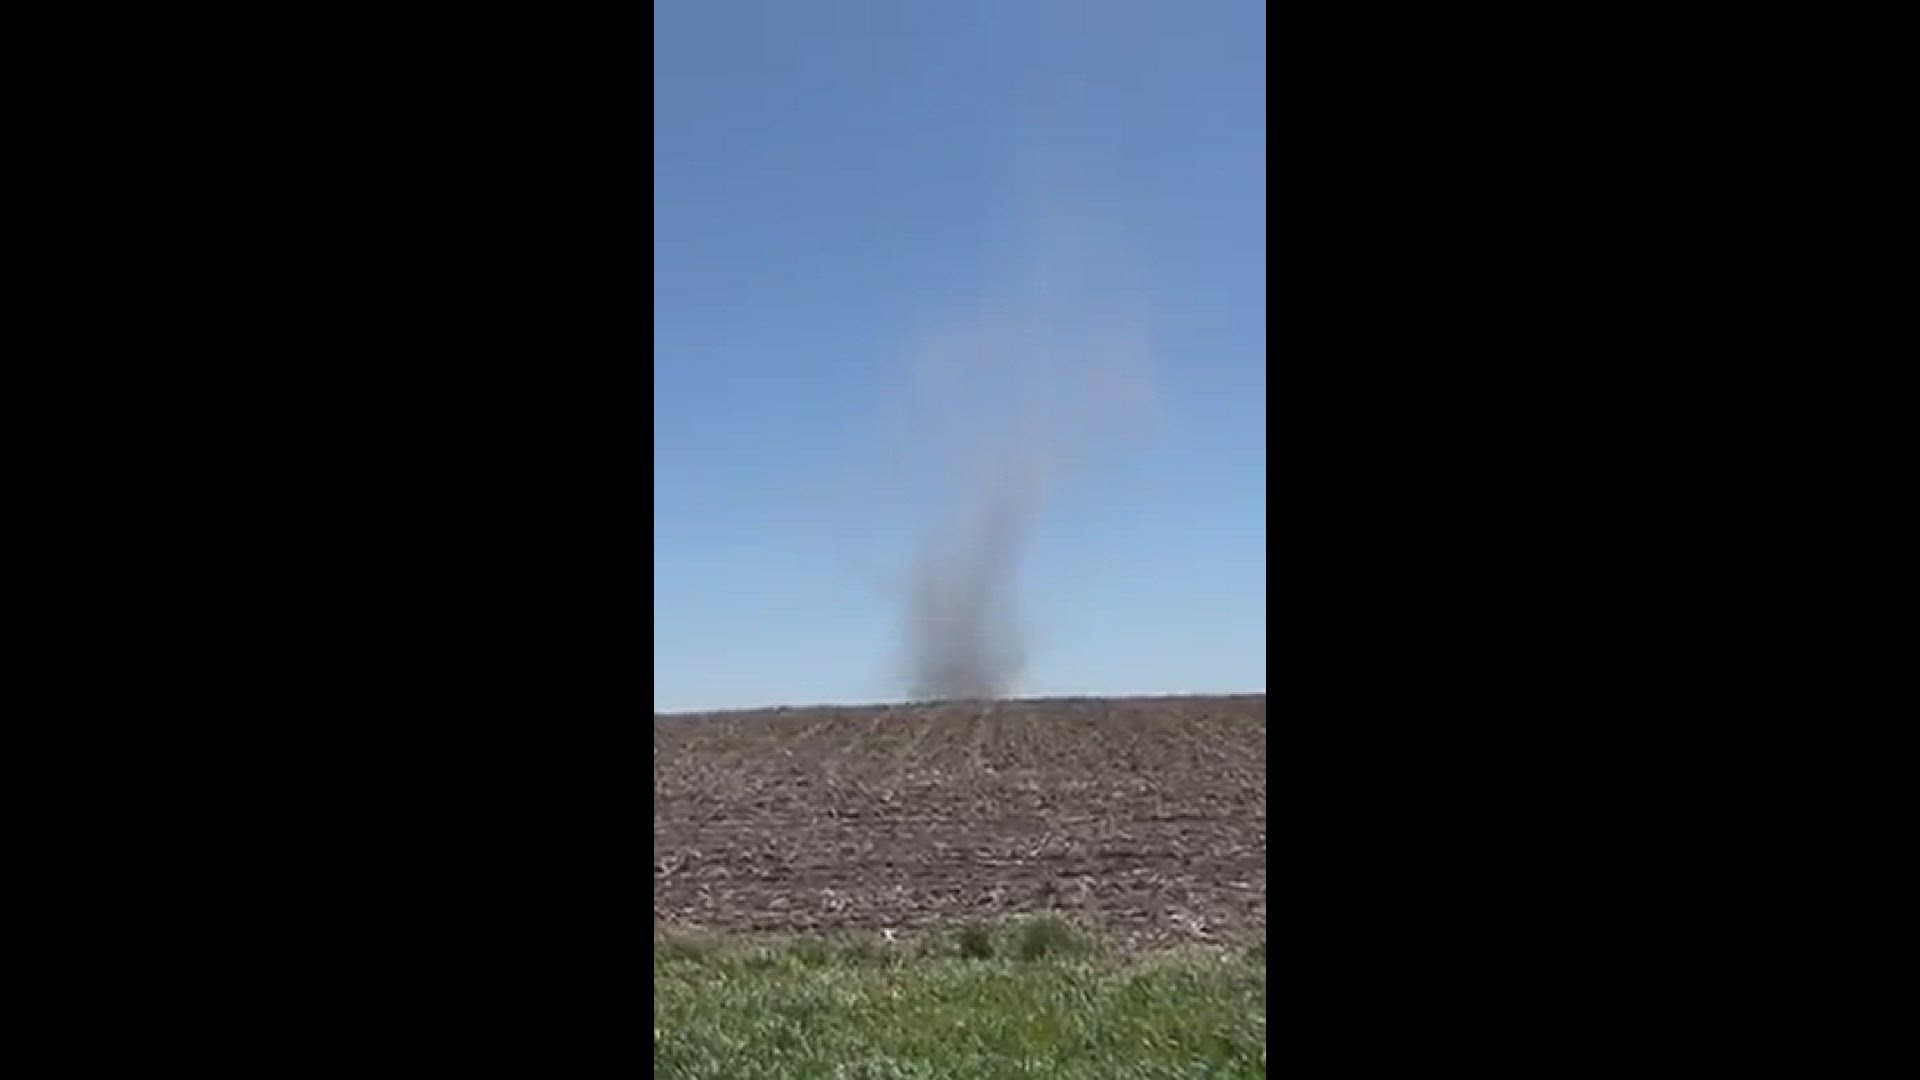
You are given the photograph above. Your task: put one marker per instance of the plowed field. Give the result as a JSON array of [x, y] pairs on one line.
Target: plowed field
[[1143, 818]]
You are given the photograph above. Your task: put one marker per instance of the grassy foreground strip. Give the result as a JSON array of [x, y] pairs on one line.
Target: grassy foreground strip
[[1028, 1001]]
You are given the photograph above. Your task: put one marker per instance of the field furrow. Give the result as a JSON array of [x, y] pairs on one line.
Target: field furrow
[[1143, 817]]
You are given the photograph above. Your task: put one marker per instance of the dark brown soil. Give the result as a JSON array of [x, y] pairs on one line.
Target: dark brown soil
[[1142, 818]]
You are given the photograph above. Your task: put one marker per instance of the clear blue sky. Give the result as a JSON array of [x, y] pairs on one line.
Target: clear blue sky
[[844, 189]]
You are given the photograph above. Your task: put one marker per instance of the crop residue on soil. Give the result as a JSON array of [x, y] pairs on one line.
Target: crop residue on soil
[[1143, 817]]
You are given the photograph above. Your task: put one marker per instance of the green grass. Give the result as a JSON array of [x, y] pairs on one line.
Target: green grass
[[1034, 1000]]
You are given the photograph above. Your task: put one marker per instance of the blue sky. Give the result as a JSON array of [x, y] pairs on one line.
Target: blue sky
[[891, 239]]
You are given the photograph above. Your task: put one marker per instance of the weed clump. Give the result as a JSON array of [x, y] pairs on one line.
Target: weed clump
[[684, 947], [811, 952], [975, 942], [1049, 936]]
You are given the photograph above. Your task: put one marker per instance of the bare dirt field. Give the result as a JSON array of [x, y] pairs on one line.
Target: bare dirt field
[[1143, 818]]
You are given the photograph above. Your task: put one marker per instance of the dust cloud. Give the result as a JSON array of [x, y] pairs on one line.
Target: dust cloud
[[1016, 396]]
